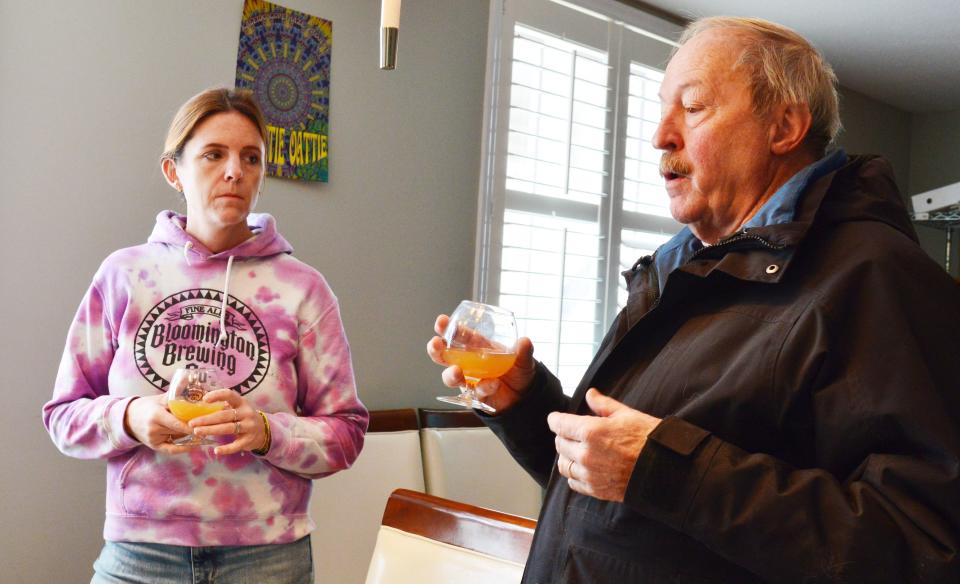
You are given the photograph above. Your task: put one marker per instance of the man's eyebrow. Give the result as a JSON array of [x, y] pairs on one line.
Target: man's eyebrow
[[683, 86]]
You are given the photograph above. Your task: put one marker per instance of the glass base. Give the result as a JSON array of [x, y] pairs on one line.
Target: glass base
[[193, 440], [466, 401]]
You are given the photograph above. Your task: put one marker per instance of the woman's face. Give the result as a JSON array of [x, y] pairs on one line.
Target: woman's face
[[220, 172]]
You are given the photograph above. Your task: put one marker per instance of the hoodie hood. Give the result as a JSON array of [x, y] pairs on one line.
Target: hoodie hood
[[170, 229], [266, 241]]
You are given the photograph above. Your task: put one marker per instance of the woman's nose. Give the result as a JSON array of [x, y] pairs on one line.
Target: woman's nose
[[234, 168]]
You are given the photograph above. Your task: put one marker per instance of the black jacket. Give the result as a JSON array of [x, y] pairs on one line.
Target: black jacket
[[808, 375]]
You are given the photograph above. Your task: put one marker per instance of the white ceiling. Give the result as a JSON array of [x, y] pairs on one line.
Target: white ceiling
[[905, 53]]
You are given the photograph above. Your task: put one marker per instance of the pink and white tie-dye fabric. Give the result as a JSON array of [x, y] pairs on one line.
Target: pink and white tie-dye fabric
[[156, 307]]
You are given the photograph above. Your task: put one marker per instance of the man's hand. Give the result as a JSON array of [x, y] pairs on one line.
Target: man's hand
[[501, 393], [598, 453]]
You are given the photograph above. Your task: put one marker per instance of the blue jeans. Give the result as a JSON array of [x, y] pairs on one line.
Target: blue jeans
[[149, 563]]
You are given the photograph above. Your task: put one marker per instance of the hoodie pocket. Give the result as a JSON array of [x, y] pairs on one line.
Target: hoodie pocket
[[156, 485], [124, 478]]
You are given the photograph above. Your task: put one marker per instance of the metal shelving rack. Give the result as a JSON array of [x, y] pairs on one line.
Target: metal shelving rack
[[947, 219]]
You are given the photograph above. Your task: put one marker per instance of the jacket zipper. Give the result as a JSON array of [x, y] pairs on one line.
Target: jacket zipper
[[735, 238]]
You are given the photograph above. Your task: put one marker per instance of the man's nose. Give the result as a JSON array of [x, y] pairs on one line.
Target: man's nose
[[666, 136]]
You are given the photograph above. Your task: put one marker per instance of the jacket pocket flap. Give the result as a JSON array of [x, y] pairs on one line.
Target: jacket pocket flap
[[678, 436]]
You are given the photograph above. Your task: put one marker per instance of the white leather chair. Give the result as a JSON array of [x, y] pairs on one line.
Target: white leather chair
[[463, 460], [347, 506], [429, 540]]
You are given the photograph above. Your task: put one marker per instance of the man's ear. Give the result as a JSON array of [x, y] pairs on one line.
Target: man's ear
[[790, 124], [169, 168]]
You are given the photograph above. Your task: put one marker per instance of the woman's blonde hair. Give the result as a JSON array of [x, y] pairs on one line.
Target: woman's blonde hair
[[783, 68], [203, 105]]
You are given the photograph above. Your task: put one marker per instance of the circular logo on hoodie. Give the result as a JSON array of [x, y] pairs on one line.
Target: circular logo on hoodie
[[183, 330]]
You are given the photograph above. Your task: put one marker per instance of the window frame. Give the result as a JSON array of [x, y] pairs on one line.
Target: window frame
[[607, 25]]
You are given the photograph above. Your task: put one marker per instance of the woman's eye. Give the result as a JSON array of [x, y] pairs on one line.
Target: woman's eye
[[253, 159], [212, 156]]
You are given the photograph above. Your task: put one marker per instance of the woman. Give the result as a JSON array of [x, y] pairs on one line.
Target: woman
[[216, 288]]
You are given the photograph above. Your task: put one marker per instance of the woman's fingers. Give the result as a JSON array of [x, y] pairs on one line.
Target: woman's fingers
[[168, 448], [151, 423], [170, 424], [235, 410], [238, 419], [226, 395]]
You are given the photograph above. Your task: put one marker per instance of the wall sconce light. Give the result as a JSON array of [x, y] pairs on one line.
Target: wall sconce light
[[389, 31]]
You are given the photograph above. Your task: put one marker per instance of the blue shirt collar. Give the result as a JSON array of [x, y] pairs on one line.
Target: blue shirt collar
[[780, 208]]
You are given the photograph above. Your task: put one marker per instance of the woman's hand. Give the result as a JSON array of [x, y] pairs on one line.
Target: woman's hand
[[501, 393], [149, 422], [238, 418]]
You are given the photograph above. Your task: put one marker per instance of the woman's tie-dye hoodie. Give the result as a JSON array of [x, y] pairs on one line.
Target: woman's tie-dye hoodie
[[159, 306]]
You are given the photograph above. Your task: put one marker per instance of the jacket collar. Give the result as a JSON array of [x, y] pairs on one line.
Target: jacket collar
[[771, 246], [780, 209]]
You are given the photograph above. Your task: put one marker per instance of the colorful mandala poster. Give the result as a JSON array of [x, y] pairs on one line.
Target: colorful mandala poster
[[284, 58]]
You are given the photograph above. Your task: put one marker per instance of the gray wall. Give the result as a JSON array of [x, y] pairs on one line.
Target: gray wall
[[863, 134], [923, 148], [86, 91], [935, 162]]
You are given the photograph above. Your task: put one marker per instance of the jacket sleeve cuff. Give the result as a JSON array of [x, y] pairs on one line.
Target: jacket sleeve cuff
[[669, 470], [113, 424], [543, 397], [523, 428]]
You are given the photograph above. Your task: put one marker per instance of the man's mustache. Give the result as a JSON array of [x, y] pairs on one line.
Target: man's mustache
[[671, 164]]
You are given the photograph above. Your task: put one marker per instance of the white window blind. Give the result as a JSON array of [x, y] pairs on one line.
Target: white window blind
[[573, 194]]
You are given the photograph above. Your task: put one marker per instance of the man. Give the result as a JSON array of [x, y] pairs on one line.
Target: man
[[780, 396]]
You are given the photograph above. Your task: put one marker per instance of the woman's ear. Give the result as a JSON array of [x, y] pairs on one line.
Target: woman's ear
[[169, 168], [789, 127]]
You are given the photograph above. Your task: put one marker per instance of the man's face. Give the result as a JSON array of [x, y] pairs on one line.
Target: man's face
[[717, 159]]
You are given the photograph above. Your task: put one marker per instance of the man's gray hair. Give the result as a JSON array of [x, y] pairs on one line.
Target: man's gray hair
[[783, 68]]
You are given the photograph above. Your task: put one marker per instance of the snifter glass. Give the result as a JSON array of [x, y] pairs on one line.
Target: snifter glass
[[185, 399], [482, 340]]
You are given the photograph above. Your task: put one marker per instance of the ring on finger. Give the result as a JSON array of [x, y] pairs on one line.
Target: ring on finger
[[570, 469], [234, 414], [236, 427]]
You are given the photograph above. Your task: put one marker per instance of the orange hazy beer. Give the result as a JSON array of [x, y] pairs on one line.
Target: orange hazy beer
[[479, 364], [186, 411]]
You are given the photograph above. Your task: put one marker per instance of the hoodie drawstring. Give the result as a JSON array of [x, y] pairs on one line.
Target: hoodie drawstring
[[226, 291], [222, 339]]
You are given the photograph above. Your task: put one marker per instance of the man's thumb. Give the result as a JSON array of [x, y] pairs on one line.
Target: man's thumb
[[602, 405]]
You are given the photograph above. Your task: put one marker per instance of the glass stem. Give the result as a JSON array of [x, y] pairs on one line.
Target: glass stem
[[469, 389]]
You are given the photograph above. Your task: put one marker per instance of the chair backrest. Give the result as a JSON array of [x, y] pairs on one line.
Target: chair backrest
[[430, 540], [347, 505], [463, 460]]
